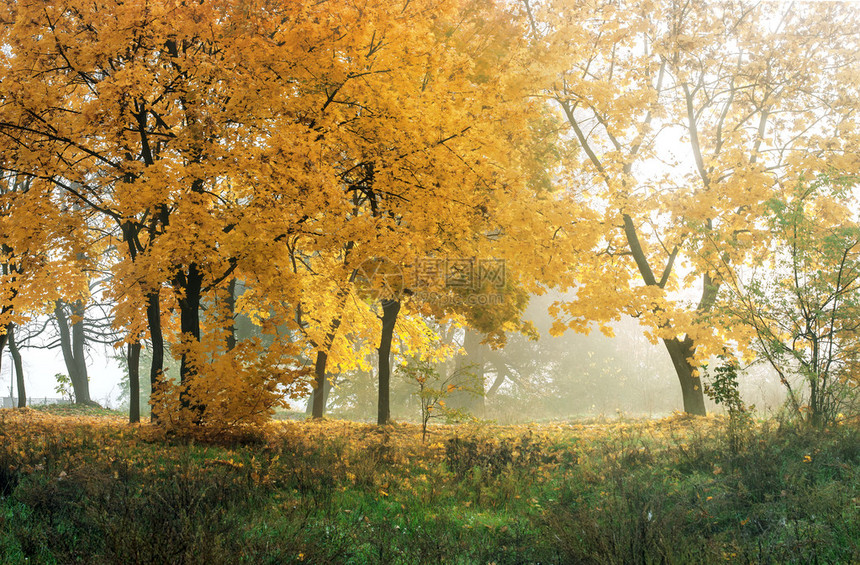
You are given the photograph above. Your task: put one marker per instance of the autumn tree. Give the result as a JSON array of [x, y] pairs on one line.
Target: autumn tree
[[143, 115], [10, 269], [82, 324], [17, 364], [413, 192], [219, 142], [800, 297], [38, 258], [687, 115]]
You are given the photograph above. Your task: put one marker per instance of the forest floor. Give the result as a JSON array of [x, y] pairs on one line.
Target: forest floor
[[85, 488]]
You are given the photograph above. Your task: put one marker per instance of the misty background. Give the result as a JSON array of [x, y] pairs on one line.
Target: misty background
[[568, 376]]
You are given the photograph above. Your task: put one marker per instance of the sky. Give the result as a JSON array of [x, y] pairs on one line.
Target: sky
[[41, 365]]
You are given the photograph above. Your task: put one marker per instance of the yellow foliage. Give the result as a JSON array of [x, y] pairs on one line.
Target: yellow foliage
[[688, 122], [229, 391]]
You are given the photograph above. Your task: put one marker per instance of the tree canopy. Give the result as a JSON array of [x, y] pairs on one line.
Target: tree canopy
[[280, 144], [689, 117], [309, 165]]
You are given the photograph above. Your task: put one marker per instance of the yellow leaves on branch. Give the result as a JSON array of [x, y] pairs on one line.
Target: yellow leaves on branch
[[259, 140], [230, 390], [680, 151]]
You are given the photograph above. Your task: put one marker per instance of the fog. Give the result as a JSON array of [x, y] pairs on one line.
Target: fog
[[41, 366], [565, 377], [552, 378]]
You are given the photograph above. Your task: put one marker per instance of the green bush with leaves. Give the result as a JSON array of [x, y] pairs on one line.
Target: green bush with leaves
[[722, 388], [433, 389], [64, 387], [801, 300]]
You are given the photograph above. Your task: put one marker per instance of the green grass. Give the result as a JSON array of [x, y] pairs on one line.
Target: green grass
[[92, 490]]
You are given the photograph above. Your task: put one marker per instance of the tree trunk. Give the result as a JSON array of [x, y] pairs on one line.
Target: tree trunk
[[501, 375], [469, 395], [19, 365], [190, 285], [319, 394], [230, 304], [680, 352], [326, 390], [321, 383], [3, 339], [153, 318], [78, 342], [72, 345], [390, 309], [691, 387], [133, 357], [318, 401]]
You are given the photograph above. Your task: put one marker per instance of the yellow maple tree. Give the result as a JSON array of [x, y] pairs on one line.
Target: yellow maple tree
[[218, 142], [687, 116]]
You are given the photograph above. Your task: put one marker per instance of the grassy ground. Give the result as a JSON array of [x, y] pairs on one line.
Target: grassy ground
[[90, 489]]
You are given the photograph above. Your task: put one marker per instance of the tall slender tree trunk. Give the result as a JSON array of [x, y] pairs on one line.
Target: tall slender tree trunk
[[326, 392], [318, 397], [501, 375], [18, 365], [390, 309], [691, 387], [469, 395], [133, 359], [156, 369], [3, 339], [190, 284], [78, 343], [322, 386], [72, 345], [230, 305]]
